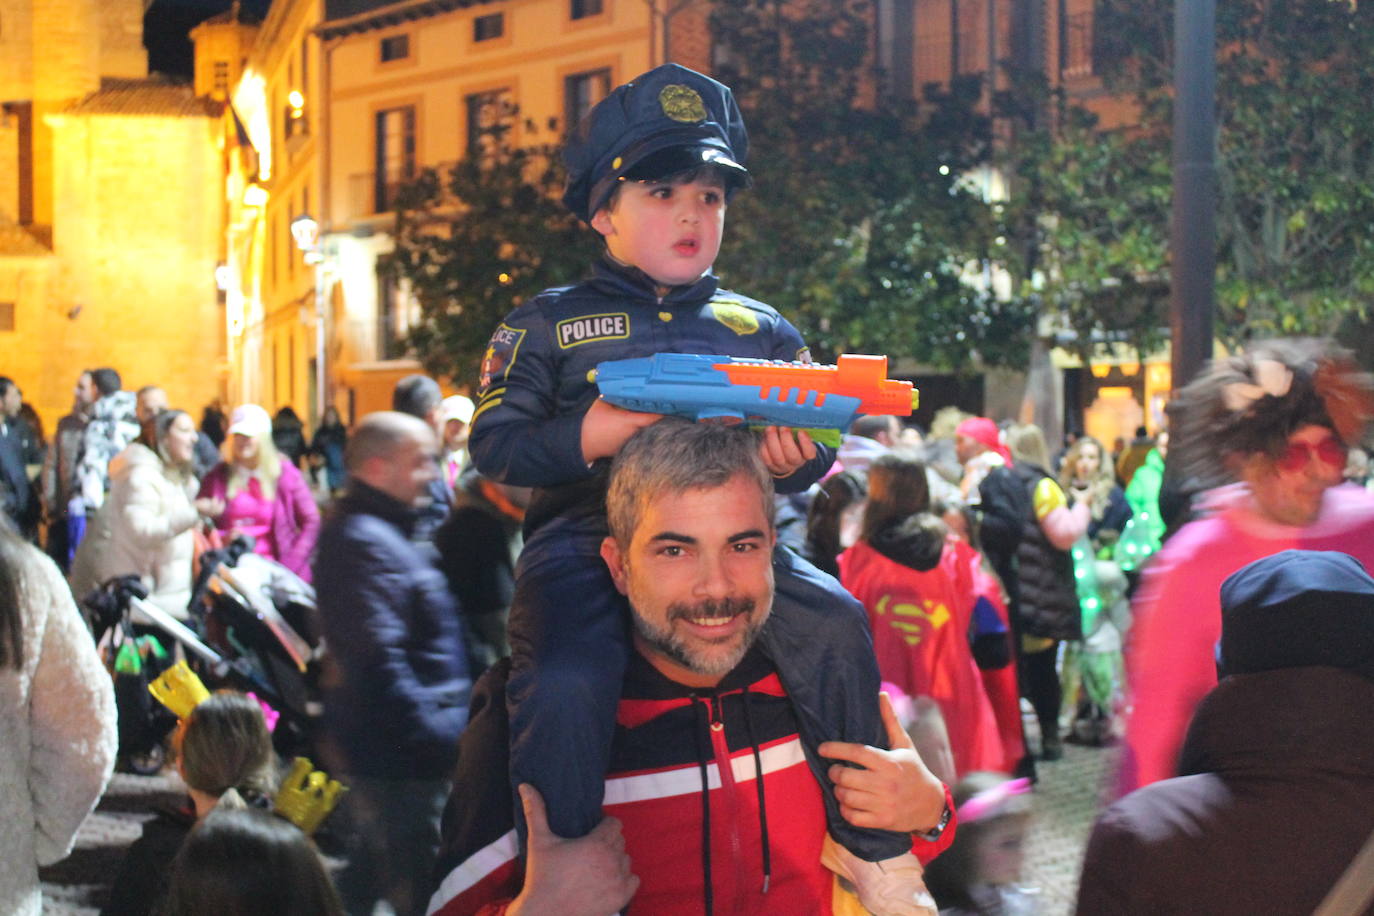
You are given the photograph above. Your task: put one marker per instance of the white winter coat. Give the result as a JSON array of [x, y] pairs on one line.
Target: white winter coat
[[57, 734], [145, 528]]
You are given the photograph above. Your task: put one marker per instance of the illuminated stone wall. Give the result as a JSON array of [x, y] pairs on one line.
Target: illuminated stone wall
[[117, 264], [136, 240]]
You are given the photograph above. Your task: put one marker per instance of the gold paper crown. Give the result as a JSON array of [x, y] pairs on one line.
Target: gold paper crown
[[307, 795], [179, 690]]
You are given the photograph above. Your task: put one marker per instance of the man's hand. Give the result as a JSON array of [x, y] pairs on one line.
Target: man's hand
[[584, 877], [605, 428], [784, 450], [894, 790]]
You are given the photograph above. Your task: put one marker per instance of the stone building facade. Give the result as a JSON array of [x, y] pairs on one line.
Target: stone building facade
[[109, 209]]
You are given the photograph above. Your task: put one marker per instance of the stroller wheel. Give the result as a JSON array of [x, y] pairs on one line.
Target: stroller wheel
[[147, 763]]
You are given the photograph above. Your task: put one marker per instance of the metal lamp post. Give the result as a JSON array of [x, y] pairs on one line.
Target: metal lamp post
[[306, 233], [1192, 245]]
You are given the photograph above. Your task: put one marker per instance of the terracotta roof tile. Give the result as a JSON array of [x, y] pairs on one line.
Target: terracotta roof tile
[[145, 97], [346, 17]]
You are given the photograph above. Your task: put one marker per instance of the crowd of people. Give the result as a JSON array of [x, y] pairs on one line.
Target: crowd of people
[[578, 658]]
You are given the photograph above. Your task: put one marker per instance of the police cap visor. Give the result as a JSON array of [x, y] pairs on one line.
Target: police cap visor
[[675, 160]]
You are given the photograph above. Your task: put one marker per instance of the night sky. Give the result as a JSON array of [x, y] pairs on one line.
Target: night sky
[[167, 26]]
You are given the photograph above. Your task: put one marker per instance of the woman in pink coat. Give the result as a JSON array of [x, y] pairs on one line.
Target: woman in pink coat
[[264, 497], [916, 583], [1271, 426]]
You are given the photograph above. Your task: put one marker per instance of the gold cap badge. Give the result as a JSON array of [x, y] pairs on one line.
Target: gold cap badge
[[682, 103]]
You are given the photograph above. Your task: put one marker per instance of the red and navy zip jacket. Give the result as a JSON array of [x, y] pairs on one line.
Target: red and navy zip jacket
[[703, 833]]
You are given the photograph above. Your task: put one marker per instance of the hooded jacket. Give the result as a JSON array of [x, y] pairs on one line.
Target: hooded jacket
[[1277, 800], [702, 833], [144, 527], [918, 589]]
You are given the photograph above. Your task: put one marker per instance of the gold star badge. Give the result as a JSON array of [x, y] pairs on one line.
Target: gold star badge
[[682, 103]]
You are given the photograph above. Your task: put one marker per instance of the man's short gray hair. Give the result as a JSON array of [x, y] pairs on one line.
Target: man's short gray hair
[[379, 435], [675, 455]]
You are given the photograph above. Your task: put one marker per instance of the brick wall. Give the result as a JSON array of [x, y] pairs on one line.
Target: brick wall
[[690, 37]]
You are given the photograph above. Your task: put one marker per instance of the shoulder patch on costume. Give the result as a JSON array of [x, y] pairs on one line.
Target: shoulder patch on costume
[[572, 332], [501, 353], [735, 315]]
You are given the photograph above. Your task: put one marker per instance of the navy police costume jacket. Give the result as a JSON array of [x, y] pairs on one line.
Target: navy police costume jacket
[[567, 627], [528, 424]]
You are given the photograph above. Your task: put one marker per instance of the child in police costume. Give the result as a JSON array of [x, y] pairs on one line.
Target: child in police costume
[[651, 169]]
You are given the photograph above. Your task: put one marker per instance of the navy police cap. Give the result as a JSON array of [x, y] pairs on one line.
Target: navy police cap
[[1298, 608], [659, 124]]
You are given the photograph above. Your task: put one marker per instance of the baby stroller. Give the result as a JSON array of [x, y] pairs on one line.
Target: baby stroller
[[243, 633], [263, 616], [136, 657]]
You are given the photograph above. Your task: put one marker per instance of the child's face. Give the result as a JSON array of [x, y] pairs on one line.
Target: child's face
[[957, 524], [670, 231], [1002, 850]]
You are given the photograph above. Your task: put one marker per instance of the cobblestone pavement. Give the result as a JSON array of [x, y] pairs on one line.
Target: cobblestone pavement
[[1066, 801], [1067, 798], [78, 884]]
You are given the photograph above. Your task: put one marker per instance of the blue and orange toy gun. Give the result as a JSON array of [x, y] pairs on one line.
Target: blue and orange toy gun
[[820, 400]]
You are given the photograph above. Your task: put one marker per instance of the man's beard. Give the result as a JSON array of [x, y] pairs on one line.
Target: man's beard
[[688, 652]]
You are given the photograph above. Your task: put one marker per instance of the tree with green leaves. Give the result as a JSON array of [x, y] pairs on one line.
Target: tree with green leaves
[[1295, 166], [476, 239], [1086, 223], [860, 227]]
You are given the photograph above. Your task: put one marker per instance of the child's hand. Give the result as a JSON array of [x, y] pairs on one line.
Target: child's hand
[[785, 450], [605, 428], [894, 790]]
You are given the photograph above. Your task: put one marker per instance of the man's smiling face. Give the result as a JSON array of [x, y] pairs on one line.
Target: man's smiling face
[[699, 575]]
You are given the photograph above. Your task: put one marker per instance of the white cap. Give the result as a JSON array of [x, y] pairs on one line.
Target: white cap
[[455, 407], [249, 420]]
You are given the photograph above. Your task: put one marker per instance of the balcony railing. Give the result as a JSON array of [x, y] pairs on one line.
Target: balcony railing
[[369, 198]]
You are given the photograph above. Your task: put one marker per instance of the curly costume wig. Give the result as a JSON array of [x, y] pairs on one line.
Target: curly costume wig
[[1250, 403]]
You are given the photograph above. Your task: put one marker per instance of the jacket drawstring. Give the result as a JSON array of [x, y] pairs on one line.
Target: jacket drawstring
[[758, 780], [703, 754]]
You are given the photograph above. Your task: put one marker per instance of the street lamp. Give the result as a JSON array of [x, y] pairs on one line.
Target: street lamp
[[306, 233]]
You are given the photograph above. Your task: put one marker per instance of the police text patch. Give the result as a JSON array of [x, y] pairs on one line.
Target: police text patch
[[572, 332]]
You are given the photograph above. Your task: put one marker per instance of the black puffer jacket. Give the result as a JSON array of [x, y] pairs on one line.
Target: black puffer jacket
[[1044, 599]]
